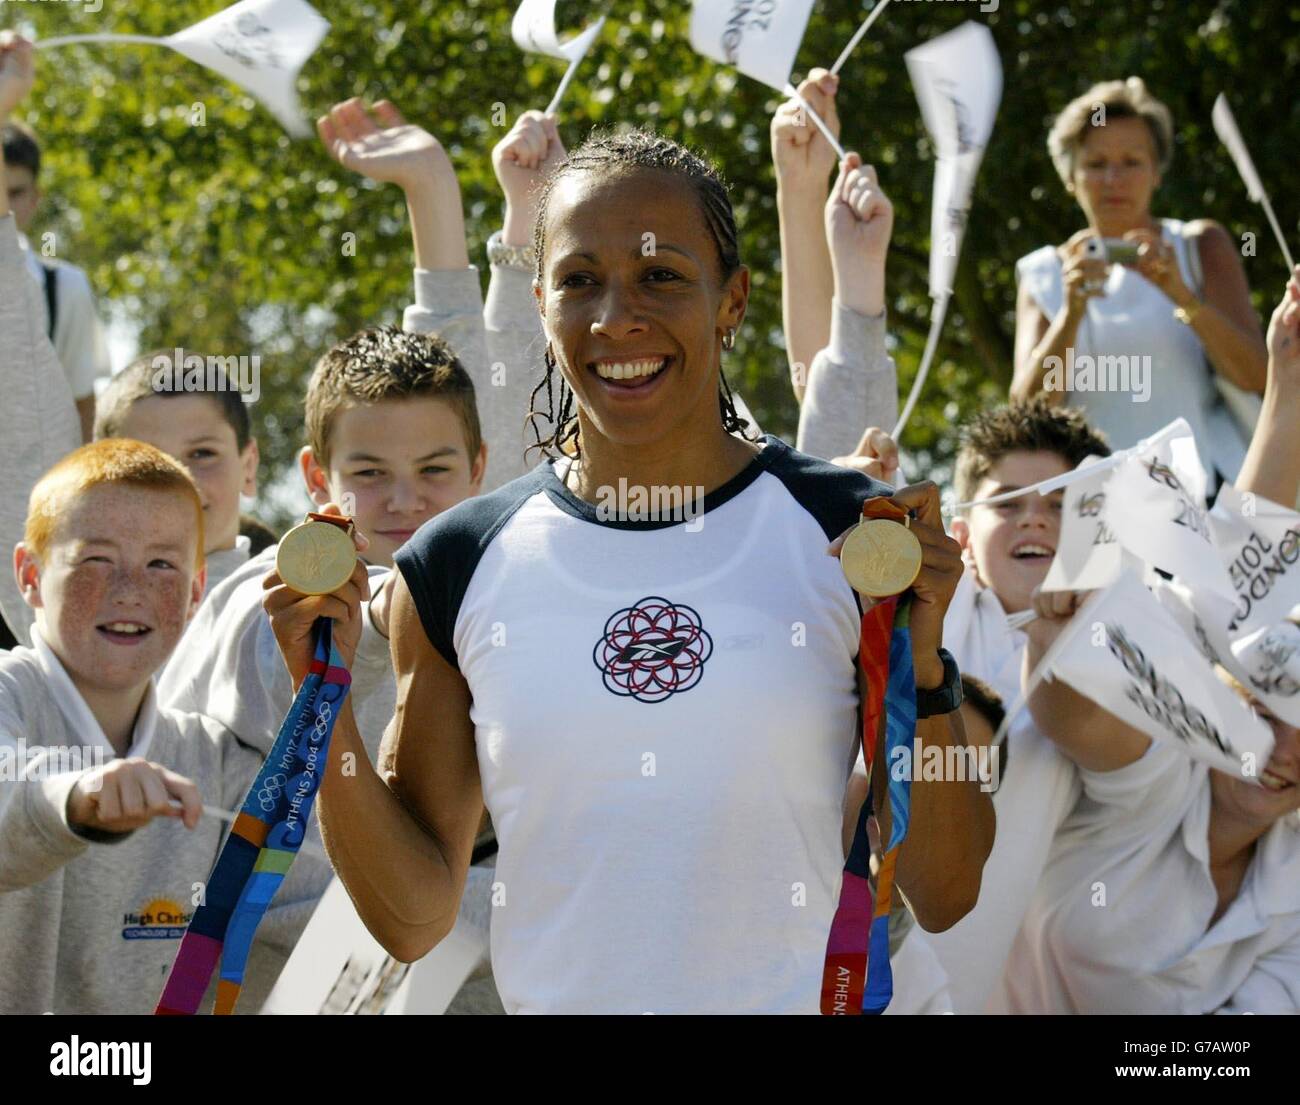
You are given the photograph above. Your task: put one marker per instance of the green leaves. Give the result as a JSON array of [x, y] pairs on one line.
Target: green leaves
[[227, 236]]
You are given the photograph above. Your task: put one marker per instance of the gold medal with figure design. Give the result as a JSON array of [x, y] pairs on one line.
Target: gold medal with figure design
[[881, 556], [317, 557]]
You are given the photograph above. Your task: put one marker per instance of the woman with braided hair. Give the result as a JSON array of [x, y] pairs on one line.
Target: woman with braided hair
[[639, 655]]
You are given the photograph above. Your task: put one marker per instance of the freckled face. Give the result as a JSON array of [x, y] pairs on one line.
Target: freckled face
[[118, 584], [191, 429], [634, 303]]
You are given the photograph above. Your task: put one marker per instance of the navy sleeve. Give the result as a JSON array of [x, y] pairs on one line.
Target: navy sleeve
[[440, 560], [831, 494]]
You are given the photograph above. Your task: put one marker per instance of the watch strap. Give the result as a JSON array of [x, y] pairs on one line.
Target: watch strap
[[944, 698]]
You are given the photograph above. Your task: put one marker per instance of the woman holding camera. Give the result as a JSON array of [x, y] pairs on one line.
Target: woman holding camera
[[1168, 297]]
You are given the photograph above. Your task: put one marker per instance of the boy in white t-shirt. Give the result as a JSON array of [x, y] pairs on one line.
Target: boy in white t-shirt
[[1155, 830], [1008, 549]]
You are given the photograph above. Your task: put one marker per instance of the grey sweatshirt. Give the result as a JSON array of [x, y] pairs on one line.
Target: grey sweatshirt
[[90, 923], [38, 417], [229, 667], [500, 345], [852, 384]]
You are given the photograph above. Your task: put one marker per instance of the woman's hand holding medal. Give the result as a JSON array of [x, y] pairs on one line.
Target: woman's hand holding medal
[[888, 558], [295, 592]]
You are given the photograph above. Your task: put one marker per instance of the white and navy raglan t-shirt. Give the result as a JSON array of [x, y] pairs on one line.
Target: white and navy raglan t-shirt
[[665, 714]]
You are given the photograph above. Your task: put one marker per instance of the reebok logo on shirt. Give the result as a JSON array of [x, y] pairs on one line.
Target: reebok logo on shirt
[[652, 650]]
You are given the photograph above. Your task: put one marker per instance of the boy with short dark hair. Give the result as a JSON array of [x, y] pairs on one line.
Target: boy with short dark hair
[[202, 422], [400, 425]]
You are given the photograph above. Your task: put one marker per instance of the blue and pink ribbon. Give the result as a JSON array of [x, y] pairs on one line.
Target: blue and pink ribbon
[[857, 978], [265, 838]]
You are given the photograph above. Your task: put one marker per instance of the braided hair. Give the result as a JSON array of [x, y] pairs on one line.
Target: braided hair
[[607, 153]]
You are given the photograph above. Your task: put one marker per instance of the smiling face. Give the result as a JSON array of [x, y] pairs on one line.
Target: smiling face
[[635, 306], [396, 463], [1115, 175], [117, 584], [192, 430], [1280, 792], [1011, 545]]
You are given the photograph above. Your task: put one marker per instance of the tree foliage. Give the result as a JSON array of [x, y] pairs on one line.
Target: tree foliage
[[229, 236]]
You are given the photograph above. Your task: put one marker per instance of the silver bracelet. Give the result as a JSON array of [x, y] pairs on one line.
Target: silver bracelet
[[511, 257]]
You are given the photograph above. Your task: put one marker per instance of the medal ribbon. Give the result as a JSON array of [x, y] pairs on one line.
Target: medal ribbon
[[263, 841], [856, 978]]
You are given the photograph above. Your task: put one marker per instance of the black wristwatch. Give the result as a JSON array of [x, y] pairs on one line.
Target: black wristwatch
[[944, 698]]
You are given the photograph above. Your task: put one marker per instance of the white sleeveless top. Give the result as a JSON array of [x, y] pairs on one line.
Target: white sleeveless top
[[1135, 319]]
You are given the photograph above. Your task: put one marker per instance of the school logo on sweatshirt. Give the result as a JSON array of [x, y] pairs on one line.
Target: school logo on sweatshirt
[[652, 650], [160, 919]]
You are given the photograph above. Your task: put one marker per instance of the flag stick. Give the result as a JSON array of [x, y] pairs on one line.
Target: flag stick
[[68, 40], [564, 84], [821, 126], [306, 846], [1044, 667], [937, 313], [1055, 483], [1277, 230], [857, 37]]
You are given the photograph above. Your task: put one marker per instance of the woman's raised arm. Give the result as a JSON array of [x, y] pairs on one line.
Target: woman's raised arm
[[399, 836]]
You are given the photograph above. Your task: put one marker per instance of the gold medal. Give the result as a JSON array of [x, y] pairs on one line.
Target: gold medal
[[881, 557], [317, 557]]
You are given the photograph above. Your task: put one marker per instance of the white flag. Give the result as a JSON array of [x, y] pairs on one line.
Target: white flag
[[958, 81], [1128, 654], [533, 30], [1225, 126], [1087, 555], [1155, 507], [1269, 659], [1262, 661], [1259, 544], [758, 37], [260, 45], [337, 967]]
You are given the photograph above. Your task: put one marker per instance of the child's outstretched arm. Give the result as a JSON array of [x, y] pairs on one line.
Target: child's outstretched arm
[[38, 418]]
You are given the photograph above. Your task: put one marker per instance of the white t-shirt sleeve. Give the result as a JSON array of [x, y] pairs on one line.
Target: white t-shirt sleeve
[[78, 335], [1152, 791]]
